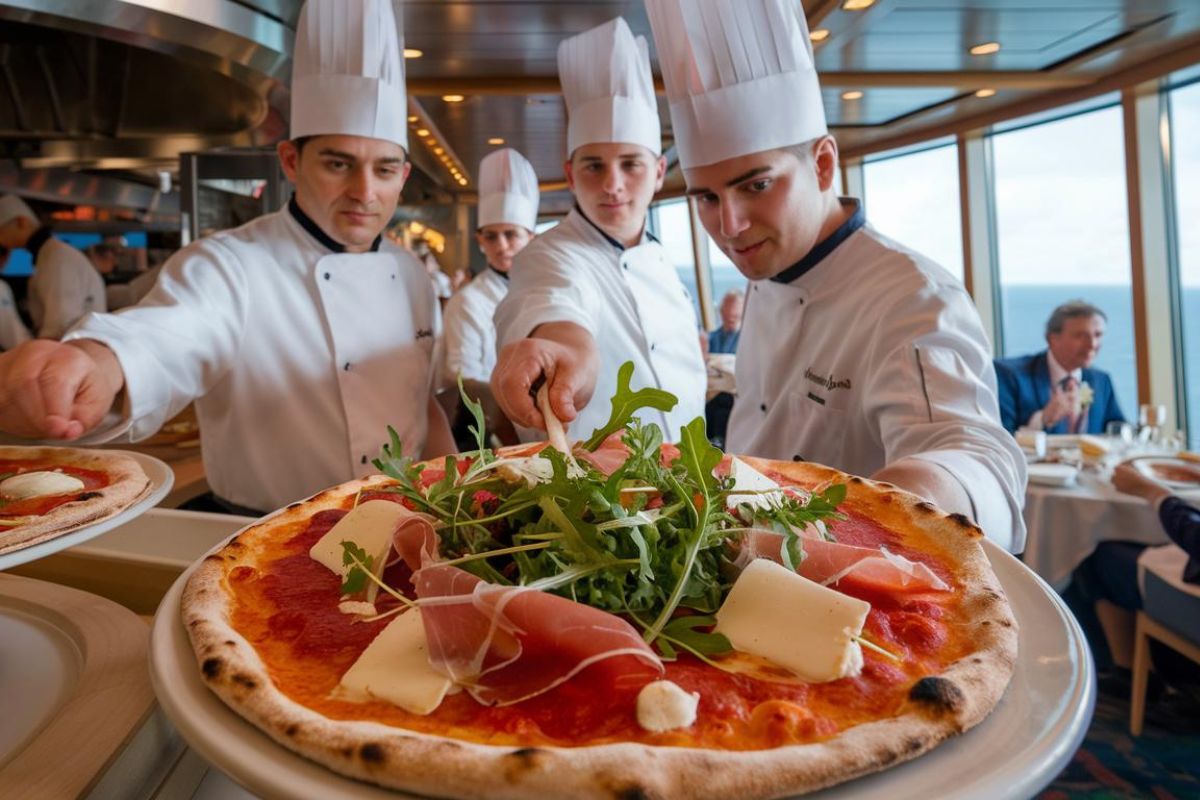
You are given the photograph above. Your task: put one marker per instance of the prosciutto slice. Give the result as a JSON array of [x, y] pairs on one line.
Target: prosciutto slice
[[831, 563], [506, 644]]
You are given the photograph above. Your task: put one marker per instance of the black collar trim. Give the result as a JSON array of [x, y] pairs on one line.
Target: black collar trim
[[498, 272], [620, 247], [314, 230], [825, 247], [39, 238]]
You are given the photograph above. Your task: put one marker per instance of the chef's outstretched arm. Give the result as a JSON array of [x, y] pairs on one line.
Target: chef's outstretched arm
[[930, 481], [563, 352], [439, 441], [51, 390]]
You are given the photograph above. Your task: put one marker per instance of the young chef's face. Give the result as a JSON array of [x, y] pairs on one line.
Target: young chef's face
[[1078, 343], [766, 210], [349, 185], [614, 184], [501, 242]]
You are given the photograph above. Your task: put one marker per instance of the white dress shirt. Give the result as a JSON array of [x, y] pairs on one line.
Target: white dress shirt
[[1057, 374], [872, 355], [298, 356], [632, 302]]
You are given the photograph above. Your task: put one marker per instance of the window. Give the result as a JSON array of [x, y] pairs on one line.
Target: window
[[1185, 162], [725, 276], [913, 198], [1063, 233], [670, 222]]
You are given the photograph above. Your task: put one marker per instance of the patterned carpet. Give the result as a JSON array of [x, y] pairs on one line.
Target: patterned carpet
[[1114, 765]]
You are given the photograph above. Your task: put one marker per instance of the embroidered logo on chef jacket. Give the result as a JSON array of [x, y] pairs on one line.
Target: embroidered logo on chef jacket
[[424, 333]]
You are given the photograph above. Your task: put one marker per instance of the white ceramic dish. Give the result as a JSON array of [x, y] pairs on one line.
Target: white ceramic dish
[[1147, 467], [1015, 752], [161, 479], [1052, 474]]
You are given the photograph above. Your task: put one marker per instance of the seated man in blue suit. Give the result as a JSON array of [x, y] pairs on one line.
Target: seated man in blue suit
[[1056, 390]]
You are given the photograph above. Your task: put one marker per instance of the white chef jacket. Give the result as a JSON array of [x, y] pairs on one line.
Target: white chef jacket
[[298, 356], [875, 354], [469, 335], [632, 302], [12, 329], [64, 287]]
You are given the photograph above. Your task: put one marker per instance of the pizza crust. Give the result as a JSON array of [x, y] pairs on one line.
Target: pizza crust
[[128, 483], [938, 707]]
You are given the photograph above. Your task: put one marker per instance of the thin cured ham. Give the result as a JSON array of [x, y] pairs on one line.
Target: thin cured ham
[[505, 644], [834, 564]]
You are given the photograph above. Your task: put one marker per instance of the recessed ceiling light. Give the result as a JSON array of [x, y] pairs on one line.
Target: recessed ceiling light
[[985, 49], [439, 150], [819, 35], [985, 93], [422, 131], [453, 98], [852, 95], [462, 181], [495, 140], [857, 5], [412, 52], [413, 118]]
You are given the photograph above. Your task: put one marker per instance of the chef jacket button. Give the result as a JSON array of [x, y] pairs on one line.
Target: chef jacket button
[[797, 457], [326, 276], [364, 459], [652, 345], [393, 276], [763, 407], [346, 366], [801, 301]]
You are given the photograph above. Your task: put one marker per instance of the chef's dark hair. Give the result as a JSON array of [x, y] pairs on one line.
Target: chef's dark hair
[[1072, 309]]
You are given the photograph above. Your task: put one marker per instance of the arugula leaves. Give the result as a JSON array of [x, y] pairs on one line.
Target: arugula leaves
[[355, 557], [625, 403]]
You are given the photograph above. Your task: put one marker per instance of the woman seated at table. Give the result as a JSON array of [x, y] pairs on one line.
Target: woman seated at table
[[1110, 574]]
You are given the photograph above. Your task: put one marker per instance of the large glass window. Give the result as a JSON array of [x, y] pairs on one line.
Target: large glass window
[[669, 221], [1185, 160], [1063, 233], [913, 198]]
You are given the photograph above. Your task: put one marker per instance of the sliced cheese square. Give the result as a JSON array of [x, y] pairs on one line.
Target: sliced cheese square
[[395, 668], [793, 622], [37, 484], [369, 526], [755, 488]]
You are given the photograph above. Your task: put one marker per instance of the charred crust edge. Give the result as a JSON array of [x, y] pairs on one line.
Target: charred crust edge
[[938, 694], [212, 668]]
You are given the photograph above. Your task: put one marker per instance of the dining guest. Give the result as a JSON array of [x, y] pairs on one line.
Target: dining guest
[[302, 335], [1057, 390], [598, 289]]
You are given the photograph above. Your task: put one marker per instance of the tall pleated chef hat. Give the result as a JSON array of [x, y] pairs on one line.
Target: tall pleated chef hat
[[608, 88], [348, 72], [508, 190], [740, 76], [12, 207]]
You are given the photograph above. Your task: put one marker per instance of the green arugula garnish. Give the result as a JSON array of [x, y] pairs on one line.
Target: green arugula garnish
[[625, 403], [360, 565]]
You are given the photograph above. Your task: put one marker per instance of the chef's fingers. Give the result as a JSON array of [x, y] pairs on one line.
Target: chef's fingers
[[517, 368], [39, 380]]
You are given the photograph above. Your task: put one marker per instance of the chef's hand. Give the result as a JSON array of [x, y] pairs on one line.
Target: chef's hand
[[563, 352], [1128, 479], [1061, 404], [52, 390]]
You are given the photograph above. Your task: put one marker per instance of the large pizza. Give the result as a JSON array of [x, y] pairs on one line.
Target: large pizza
[[46, 492], [626, 619]]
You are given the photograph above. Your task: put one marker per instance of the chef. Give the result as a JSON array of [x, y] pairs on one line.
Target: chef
[[65, 286], [855, 351], [598, 290], [302, 335]]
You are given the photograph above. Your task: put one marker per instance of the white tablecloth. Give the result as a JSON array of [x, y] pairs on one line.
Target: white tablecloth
[[1065, 524]]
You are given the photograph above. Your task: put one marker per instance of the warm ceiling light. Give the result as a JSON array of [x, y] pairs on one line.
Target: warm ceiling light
[[462, 181], [857, 5], [439, 150], [852, 95], [422, 131], [412, 52], [985, 49], [985, 93], [453, 98], [413, 118], [495, 140], [819, 35]]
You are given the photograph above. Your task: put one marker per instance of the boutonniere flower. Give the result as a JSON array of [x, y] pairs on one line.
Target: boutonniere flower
[[1086, 395]]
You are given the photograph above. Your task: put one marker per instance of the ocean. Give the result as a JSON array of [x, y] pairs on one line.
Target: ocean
[[1024, 310]]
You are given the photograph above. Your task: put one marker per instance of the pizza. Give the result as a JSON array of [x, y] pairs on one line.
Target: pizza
[[625, 619], [48, 491]]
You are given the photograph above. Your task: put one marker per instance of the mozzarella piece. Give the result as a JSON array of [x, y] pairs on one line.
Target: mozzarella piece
[[748, 479], [531, 469], [36, 484], [395, 668], [664, 706], [791, 621], [369, 526]]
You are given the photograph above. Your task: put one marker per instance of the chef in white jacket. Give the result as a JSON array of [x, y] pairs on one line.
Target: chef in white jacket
[[598, 290], [65, 286], [855, 351], [301, 335]]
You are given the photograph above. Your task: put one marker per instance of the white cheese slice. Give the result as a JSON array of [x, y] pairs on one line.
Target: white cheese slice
[[531, 469], [395, 668], [791, 621], [664, 706], [369, 526], [755, 488], [36, 484]]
